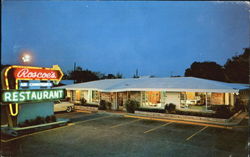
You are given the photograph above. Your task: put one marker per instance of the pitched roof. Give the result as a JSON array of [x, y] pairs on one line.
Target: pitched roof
[[189, 84]]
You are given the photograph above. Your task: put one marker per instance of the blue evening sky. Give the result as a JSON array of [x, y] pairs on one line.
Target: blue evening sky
[[156, 37]]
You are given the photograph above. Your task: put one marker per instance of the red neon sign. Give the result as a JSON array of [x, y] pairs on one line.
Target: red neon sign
[[34, 74]]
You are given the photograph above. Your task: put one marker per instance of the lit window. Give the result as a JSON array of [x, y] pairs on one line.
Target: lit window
[[95, 96]]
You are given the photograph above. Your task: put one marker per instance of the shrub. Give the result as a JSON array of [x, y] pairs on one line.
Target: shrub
[[91, 105], [191, 113], [222, 111], [38, 120], [53, 118], [47, 119], [151, 110], [104, 105], [108, 105], [170, 108], [67, 98], [239, 106], [83, 101], [131, 105]]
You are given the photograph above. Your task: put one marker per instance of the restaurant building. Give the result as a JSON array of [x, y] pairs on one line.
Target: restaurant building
[[188, 93]]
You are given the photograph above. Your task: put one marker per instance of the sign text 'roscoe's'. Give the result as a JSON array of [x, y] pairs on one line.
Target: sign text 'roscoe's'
[[25, 73]]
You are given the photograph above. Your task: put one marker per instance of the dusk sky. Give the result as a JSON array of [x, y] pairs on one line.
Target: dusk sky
[[157, 38]]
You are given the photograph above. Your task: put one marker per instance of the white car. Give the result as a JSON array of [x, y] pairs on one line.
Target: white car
[[63, 106]]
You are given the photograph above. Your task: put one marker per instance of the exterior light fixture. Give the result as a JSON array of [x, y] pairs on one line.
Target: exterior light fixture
[[26, 58]]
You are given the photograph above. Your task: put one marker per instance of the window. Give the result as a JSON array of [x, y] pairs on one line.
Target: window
[[151, 97], [95, 96], [78, 95]]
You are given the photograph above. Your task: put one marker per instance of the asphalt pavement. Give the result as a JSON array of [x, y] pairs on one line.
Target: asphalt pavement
[[103, 135]]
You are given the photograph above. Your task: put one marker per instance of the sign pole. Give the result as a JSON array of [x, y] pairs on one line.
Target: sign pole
[[9, 117]]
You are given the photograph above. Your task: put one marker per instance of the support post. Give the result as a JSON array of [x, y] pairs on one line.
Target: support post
[[116, 101], [9, 117], [206, 100]]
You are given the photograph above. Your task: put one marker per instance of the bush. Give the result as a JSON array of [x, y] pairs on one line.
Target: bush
[[50, 119], [47, 119], [151, 110], [239, 106], [83, 101], [108, 105], [67, 99], [53, 118], [170, 108], [90, 105], [104, 105], [191, 113], [38, 120], [222, 111], [132, 105]]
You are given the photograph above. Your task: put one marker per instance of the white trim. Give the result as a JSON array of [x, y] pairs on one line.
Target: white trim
[[161, 89]]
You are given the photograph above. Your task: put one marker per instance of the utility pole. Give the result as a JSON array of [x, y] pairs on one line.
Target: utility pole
[[74, 70]]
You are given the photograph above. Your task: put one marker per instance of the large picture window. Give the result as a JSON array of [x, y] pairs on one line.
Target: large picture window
[[151, 97]]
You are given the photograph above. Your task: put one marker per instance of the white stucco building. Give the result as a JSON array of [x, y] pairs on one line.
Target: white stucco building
[[184, 92]]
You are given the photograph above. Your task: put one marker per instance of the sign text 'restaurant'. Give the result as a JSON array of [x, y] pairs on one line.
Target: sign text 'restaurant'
[[18, 96]]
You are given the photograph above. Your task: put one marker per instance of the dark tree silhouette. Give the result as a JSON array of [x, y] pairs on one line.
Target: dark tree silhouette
[[80, 75], [207, 70], [237, 68]]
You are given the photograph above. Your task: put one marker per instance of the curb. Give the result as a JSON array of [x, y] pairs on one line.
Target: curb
[[17, 131], [112, 113], [180, 121], [85, 111]]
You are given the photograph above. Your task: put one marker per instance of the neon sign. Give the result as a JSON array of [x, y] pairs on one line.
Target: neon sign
[[25, 73], [36, 74], [22, 96], [11, 75], [30, 84]]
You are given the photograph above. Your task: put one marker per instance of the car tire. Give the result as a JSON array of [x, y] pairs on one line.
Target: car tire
[[69, 109]]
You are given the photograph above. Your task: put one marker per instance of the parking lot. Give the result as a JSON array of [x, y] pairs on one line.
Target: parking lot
[[115, 135]]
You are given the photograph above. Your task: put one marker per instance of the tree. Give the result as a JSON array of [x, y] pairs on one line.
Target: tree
[[119, 75], [207, 70], [237, 68], [81, 75]]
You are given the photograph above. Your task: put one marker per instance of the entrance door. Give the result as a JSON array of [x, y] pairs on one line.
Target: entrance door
[[173, 97]]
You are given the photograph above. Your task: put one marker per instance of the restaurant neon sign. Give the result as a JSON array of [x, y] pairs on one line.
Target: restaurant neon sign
[[11, 75], [22, 96]]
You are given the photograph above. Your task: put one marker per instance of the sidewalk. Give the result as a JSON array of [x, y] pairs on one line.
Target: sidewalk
[[17, 131]]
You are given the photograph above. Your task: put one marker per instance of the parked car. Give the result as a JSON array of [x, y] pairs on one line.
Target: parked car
[[63, 106]]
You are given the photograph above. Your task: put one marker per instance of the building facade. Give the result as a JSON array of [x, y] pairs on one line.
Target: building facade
[[185, 92]]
